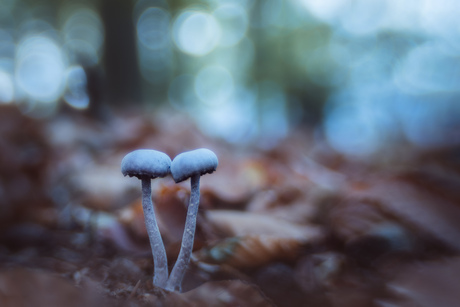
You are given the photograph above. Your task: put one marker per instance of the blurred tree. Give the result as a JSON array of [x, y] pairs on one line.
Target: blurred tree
[[120, 63]]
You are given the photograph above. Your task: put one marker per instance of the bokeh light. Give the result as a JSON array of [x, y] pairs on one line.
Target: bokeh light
[[429, 68], [360, 123], [440, 19], [84, 36], [6, 87], [265, 13], [325, 10], [40, 68], [233, 21], [196, 33], [76, 94], [431, 121], [274, 122], [214, 84], [233, 120], [7, 45], [154, 44], [181, 93], [153, 28], [372, 69]]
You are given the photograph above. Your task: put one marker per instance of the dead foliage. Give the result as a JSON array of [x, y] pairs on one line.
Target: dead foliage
[[296, 225]]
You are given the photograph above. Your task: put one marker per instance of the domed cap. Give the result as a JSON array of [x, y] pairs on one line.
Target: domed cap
[[146, 162], [196, 162]]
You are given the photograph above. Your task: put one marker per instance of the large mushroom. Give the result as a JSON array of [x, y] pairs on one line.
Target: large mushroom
[[191, 164], [147, 164]]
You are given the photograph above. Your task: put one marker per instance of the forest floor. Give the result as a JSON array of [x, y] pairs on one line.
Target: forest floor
[[295, 224]]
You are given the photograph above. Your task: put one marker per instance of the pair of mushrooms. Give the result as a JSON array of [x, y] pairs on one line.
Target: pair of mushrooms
[[147, 164]]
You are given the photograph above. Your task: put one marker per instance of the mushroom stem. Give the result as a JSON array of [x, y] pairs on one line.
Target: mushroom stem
[[178, 272], [160, 274]]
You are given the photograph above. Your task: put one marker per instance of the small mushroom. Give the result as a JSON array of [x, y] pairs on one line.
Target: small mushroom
[[190, 164], [147, 164]]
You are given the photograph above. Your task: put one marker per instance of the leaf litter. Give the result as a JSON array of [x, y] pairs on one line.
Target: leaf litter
[[296, 225]]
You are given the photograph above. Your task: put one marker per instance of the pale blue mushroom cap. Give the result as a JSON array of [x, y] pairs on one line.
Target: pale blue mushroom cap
[[146, 163], [196, 162]]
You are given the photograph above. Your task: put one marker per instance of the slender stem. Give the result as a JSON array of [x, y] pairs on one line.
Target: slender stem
[[178, 272], [160, 274]]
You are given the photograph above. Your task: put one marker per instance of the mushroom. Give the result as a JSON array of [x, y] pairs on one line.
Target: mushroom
[[190, 164], [147, 164]]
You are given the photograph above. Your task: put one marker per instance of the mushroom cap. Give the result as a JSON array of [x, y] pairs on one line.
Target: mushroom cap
[[146, 162], [196, 162]]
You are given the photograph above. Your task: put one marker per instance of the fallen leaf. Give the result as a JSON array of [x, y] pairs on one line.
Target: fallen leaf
[[238, 223], [20, 287], [227, 293], [251, 251], [427, 284]]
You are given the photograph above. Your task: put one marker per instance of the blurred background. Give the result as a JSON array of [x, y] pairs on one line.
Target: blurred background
[[336, 124], [368, 75]]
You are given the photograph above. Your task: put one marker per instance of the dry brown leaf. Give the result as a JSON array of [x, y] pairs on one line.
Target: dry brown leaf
[[287, 203], [238, 223], [171, 209], [235, 179], [419, 208], [25, 155], [171, 203], [21, 287], [108, 227], [318, 270], [251, 251], [427, 284], [352, 219], [132, 217], [227, 293], [103, 187]]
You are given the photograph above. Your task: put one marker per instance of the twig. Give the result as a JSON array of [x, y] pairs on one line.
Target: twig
[[134, 289]]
